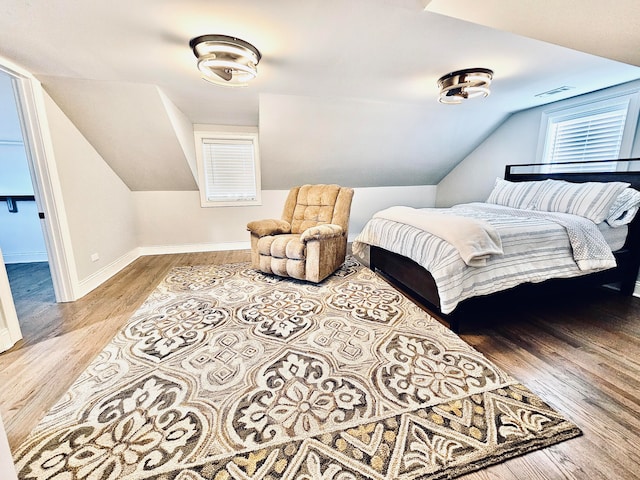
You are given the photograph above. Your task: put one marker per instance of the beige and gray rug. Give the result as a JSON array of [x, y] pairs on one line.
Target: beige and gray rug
[[226, 373]]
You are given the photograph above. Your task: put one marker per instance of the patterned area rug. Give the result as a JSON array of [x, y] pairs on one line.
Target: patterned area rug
[[226, 373]]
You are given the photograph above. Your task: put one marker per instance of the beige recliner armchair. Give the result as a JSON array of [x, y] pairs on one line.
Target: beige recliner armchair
[[310, 242]]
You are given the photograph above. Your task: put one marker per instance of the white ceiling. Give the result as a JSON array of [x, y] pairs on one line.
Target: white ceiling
[[389, 51], [606, 29]]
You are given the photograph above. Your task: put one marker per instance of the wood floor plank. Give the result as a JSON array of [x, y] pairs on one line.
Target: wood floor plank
[[580, 354]]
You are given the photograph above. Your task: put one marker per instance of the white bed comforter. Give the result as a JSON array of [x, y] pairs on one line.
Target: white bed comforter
[[474, 239], [536, 246]]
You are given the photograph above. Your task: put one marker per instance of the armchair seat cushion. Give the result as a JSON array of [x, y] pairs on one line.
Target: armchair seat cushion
[[282, 246]]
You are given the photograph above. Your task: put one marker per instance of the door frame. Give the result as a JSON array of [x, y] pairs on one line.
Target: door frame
[[9, 327], [30, 102]]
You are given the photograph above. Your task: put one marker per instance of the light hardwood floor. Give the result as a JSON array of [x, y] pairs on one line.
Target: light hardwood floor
[[582, 355]]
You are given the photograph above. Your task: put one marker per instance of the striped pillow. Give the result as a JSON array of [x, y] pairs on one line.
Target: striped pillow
[[591, 200], [515, 194], [624, 208]]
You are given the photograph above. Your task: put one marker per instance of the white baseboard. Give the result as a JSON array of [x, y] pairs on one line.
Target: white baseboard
[[636, 290], [98, 278], [191, 248], [104, 274], [29, 257]]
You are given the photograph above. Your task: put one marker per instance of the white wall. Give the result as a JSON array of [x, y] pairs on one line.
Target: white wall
[[174, 221], [514, 142], [184, 132], [99, 206], [364, 143], [15, 178], [21, 237]]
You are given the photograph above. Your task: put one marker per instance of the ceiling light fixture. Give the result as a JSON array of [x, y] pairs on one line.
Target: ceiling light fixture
[[463, 84], [225, 60]]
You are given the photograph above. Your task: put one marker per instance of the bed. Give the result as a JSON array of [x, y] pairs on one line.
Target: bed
[[424, 283]]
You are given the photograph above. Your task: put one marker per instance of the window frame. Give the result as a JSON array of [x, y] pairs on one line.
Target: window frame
[[630, 99], [200, 137]]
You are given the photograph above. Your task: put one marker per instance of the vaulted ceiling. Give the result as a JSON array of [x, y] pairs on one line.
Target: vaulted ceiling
[[605, 29], [349, 87]]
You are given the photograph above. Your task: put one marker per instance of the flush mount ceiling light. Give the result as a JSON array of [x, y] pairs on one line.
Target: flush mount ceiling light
[[225, 60], [462, 84]]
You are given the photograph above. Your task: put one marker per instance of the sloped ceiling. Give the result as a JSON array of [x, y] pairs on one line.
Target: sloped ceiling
[[606, 29], [340, 86], [128, 124]]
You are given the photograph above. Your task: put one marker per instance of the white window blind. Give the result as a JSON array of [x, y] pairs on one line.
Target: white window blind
[[228, 167], [593, 137], [588, 133], [230, 170]]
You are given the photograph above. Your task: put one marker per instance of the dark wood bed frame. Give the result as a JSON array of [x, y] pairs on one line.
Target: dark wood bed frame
[[417, 282]]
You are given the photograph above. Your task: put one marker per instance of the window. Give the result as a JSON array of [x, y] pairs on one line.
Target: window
[[601, 130], [228, 169]]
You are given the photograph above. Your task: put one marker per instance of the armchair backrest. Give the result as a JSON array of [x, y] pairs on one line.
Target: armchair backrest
[[311, 205]]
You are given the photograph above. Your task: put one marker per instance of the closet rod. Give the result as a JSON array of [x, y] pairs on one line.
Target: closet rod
[[12, 199]]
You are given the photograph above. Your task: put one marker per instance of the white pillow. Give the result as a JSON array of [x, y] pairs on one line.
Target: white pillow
[[591, 200], [624, 208], [515, 194]]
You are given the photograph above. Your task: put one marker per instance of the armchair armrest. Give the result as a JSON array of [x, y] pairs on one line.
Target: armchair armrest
[[327, 230], [268, 227]]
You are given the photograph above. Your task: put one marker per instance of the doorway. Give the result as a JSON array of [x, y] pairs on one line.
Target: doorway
[[29, 99], [21, 237]]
